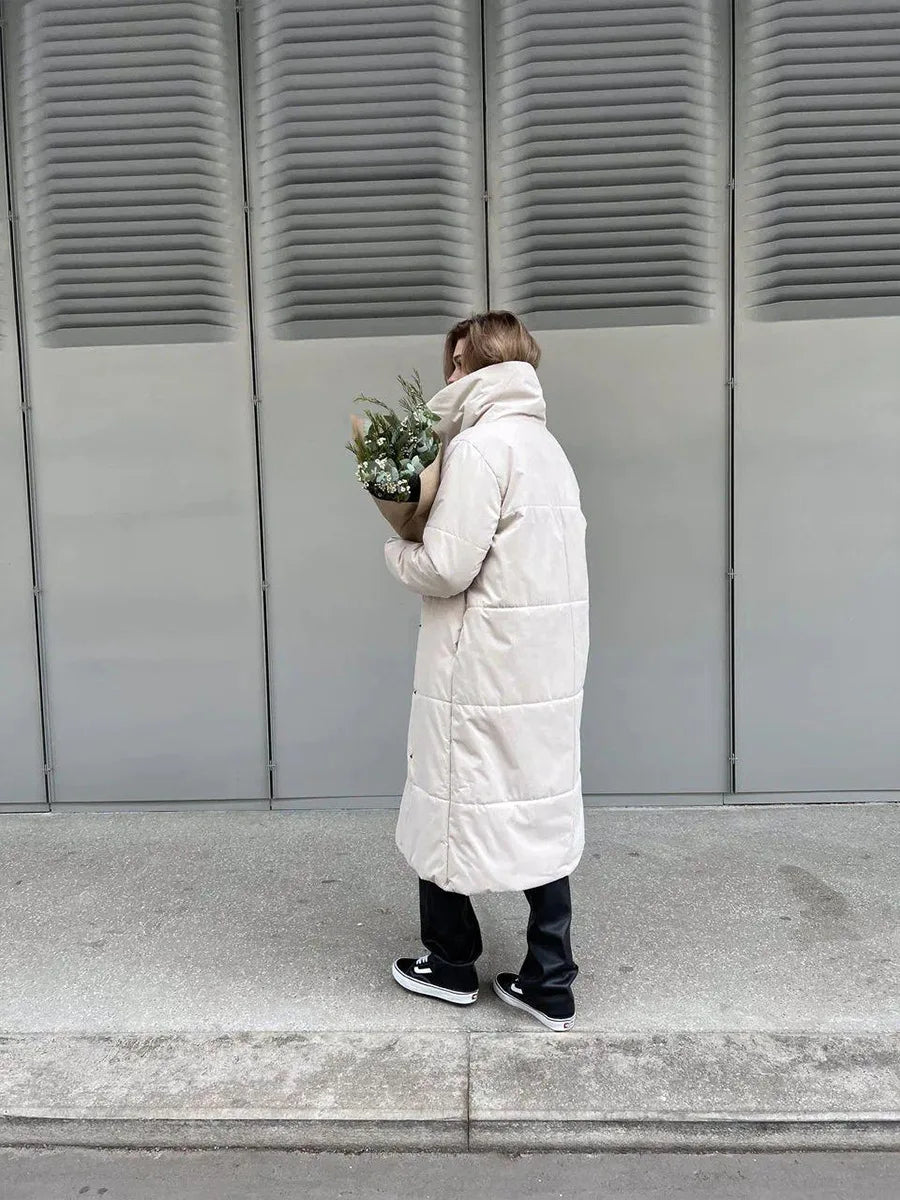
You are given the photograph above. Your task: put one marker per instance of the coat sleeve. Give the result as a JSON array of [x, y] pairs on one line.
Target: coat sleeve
[[459, 530]]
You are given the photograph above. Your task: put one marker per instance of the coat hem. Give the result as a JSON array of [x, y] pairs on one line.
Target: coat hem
[[424, 846], [518, 884]]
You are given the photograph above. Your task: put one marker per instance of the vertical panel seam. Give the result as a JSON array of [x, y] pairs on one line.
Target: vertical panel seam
[[18, 316], [731, 392], [486, 190], [255, 400]]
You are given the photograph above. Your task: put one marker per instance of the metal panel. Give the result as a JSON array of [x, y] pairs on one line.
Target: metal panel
[[817, 418], [638, 395], [140, 370], [342, 633], [817, 555], [21, 761]]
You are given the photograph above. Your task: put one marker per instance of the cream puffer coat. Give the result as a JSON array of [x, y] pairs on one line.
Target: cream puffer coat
[[493, 793]]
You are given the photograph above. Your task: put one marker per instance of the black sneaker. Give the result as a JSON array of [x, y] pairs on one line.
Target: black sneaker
[[506, 985], [426, 977]]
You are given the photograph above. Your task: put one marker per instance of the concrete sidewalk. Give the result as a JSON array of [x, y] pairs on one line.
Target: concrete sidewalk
[[223, 978]]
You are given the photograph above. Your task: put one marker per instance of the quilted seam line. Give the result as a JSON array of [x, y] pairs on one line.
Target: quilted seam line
[[511, 704], [574, 663], [525, 607], [450, 746], [469, 442], [499, 803], [459, 537]]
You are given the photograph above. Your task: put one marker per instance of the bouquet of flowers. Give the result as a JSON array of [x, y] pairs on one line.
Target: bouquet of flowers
[[399, 457]]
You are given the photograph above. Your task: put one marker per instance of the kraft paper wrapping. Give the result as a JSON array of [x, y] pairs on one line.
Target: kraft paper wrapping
[[407, 517]]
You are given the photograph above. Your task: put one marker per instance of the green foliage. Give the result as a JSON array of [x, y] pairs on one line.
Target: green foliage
[[395, 447]]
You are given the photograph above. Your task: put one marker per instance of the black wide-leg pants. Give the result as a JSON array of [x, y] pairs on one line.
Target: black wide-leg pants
[[451, 933]]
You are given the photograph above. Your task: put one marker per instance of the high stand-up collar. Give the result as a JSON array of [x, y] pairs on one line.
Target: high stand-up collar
[[499, 390]]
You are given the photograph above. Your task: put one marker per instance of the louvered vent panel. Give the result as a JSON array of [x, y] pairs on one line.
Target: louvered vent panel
[[126, 138], [821, 173], [369, 164], [602, 153]]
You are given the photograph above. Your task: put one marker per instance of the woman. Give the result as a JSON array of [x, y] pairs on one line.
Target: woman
[[493, 794]]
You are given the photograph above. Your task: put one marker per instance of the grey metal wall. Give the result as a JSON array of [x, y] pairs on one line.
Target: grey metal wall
[[234, 218]]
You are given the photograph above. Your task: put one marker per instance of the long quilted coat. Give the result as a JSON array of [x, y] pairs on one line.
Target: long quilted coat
[[493, 793]]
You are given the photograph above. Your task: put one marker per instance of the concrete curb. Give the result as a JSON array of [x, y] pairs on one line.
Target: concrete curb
[[452, 1091], [673, 1091], [299, 1090]]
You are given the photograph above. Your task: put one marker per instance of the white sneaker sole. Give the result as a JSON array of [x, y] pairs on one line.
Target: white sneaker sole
[[431, 989], [557, 1024]]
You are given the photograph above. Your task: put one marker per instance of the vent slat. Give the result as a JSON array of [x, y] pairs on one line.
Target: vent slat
[[126, 135], [603, 156]]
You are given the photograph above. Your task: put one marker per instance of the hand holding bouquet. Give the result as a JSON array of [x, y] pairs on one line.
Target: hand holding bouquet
[[399, 458]]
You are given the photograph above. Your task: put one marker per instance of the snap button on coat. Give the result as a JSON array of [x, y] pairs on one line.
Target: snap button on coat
[[493, 798]]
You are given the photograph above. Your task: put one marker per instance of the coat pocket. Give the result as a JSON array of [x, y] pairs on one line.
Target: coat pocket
[[461, 628]]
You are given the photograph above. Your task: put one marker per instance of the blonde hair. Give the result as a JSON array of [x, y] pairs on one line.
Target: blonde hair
[[491, 337]]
